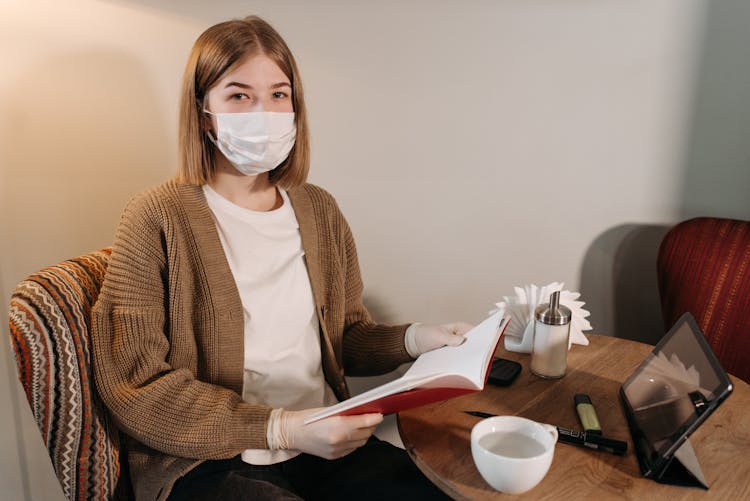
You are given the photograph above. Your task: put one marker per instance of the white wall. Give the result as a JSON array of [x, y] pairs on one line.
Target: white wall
[[473, 146]]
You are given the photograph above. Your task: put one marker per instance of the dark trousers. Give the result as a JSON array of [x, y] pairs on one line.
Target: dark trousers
[[377, 470]]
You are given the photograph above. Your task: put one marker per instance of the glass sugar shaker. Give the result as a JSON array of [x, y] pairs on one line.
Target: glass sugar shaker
[[549, 351]]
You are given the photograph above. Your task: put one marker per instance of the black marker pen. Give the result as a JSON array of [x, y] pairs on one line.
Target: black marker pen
[[595, 441]]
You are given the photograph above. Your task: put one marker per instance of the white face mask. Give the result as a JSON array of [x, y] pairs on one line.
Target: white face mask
[[254, 142]]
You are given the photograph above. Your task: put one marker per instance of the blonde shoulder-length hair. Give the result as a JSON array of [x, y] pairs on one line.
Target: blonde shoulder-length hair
[[216, 52]]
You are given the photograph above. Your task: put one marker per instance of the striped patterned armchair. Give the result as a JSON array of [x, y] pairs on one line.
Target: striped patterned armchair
[[49, 330], [704, 268]]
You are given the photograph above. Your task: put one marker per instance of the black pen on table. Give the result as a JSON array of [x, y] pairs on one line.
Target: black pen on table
[[583, 439]]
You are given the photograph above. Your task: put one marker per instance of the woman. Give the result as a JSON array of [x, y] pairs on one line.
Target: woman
[[232, 305]]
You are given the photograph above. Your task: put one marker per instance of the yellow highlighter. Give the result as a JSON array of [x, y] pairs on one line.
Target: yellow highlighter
[[587, 414]]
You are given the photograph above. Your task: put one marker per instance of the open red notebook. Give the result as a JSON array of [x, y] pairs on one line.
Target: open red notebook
[[437, 375]]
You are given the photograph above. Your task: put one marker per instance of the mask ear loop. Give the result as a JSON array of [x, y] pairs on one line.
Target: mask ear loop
[[205, 121]]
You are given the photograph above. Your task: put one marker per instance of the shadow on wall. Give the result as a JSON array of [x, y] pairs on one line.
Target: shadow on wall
[[618, 276], [618, 282], [379, 310], [83, 134], [717, 161]]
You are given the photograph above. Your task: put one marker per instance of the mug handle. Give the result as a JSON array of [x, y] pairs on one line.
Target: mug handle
[[552, 430]]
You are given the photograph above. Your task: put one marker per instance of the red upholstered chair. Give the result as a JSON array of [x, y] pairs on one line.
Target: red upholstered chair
[[704, 268], [49, 330]]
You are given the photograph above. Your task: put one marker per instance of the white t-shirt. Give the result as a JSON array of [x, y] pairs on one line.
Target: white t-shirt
[[282, 342]]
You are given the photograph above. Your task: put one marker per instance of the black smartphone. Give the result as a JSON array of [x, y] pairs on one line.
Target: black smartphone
[[503, 371]]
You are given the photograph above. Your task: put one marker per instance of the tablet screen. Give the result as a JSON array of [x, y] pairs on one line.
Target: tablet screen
[[678, 385]]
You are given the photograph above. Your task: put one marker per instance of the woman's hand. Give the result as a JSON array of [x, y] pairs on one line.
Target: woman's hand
[[329, 438], [423, 338]]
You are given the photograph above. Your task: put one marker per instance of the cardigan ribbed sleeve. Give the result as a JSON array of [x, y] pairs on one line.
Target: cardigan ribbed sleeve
[[147, 365], [369, 348]]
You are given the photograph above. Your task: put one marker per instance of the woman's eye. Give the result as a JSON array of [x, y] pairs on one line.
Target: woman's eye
[[280, 95], [240, 96]]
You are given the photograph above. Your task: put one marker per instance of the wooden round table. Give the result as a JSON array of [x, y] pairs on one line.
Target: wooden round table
[[437, 436]]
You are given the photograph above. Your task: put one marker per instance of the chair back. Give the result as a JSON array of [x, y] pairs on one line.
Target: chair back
[[49, 329], [704, 267]]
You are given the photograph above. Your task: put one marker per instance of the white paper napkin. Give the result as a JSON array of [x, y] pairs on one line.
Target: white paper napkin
[[519, 333]]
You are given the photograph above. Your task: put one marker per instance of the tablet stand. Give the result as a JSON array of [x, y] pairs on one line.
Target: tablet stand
[[682, 469]]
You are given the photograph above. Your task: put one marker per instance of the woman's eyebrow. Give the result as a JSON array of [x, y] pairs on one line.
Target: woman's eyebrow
[[246, 86], [238, 84]]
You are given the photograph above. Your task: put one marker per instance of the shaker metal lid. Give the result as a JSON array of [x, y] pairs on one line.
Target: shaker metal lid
[[553, 313]]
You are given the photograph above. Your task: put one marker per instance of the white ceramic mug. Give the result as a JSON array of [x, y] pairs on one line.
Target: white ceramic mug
[[513, 454]]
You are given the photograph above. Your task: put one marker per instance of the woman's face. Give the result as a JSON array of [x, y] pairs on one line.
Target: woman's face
[[257, 84]]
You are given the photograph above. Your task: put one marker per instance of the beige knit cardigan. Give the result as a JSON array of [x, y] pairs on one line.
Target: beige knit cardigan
[[167, 331]]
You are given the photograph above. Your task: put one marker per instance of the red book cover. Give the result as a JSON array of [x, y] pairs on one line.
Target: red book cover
[[437, 375]]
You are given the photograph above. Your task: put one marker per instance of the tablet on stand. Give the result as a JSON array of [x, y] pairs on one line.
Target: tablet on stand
[[667, 398]]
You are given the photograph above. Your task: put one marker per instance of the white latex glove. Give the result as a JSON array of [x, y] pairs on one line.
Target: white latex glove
[[421, 338], [329, 438]]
